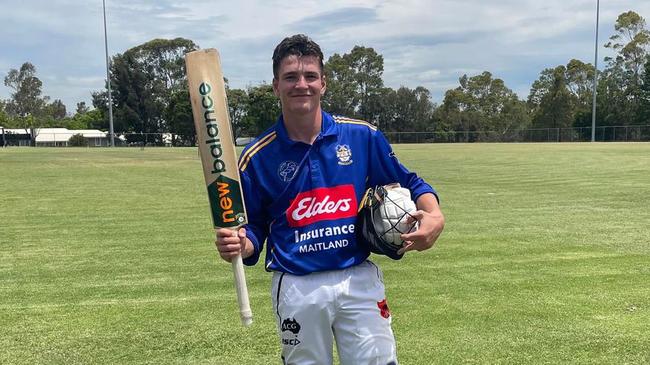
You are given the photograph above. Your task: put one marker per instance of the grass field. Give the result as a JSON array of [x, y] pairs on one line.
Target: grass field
[[106, 256]]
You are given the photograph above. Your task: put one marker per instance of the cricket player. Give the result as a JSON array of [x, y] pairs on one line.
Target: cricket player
[[303, 180]]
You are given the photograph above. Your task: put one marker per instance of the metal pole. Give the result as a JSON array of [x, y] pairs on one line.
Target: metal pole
[[593, 109], [108, 78]]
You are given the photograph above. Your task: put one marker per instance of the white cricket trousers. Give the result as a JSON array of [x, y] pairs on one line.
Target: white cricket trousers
[[348, 306]]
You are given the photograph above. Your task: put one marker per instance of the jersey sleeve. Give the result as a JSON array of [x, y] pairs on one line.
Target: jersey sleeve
[[257, 227], [385, 168]]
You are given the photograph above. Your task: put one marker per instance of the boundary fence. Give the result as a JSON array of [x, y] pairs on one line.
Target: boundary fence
[[633, 133]]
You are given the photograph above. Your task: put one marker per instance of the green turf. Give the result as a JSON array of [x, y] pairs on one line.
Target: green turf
[[106, 256]]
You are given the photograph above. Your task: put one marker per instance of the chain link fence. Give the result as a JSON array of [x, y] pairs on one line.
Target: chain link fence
[[634, 133]]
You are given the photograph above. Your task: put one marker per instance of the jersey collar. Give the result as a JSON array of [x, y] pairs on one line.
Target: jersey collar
[[328, 128]]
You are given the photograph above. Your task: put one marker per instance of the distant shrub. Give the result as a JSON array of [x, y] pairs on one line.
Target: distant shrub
[[78, 140]]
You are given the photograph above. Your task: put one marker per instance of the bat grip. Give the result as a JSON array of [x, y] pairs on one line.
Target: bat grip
[[242, 291]]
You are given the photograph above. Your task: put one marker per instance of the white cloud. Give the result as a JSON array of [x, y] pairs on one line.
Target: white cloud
[[85, 81], [424, 42], [429, 75]]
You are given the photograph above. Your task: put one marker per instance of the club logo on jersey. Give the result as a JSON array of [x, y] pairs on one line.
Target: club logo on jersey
[[322, 204], [344, 154], [287, 170], [383, 309]]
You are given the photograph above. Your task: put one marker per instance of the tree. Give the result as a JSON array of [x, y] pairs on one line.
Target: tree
[[580, 81], [78, 140], [631, 42], [145, 79], [5, 120], [557, 106], [624, 72], [406, 109], [238, 103], [26, 101], [644, 112], [179, 118], [263, 108], [354, 83], [340, 97], [485, 106], [562, 96], [163, 59], [55, 110], [135, 104], [82, 108], [93, 119], [612, 104], [453, 114]]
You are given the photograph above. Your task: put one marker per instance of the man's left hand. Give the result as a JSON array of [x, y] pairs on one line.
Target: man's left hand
[[431, 223]]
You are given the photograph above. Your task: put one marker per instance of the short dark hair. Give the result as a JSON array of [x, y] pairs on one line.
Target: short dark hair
[[296, 45]]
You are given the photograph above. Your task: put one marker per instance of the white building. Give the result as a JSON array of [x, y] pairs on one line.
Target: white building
[[60, 137]]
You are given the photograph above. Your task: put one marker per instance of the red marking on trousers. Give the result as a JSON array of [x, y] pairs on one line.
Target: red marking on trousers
[[383, 308]]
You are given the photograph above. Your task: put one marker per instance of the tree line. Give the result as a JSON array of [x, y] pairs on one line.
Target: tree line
[[149, 95]]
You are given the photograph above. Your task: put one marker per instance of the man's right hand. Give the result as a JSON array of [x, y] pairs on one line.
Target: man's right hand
[[232, 243]]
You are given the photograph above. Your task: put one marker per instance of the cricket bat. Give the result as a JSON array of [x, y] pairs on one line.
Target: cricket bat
[[218, 157]]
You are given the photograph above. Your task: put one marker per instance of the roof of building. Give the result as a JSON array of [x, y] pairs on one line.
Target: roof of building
[[60, 134]]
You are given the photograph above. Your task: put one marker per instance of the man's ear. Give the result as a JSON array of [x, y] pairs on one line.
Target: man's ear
[[275, 87], [323, 86]]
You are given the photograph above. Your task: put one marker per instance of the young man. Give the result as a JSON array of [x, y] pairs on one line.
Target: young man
[[303, 180]]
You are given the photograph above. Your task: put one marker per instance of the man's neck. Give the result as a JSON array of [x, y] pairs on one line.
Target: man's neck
[[304, 128]]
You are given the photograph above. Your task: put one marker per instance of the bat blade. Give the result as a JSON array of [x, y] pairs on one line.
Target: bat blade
[[214, 137], [218, 156]]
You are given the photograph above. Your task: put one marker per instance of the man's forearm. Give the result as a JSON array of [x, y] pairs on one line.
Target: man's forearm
[[248, 250], [428, 203]]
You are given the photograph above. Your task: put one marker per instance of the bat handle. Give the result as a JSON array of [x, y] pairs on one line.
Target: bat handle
[[242, 291]]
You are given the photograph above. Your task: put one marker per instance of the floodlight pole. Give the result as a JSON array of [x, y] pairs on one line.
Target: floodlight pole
[[108, 79], [593, 108]]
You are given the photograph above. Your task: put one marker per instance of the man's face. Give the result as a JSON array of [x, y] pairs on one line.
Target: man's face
[[299, 85]]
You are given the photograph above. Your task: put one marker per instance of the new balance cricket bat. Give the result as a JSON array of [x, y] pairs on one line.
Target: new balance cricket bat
[[217, 150]]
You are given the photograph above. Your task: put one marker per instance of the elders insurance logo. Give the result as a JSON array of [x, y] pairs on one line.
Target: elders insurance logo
[[322, 204]]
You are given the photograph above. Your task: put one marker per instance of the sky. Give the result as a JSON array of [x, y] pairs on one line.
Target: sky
[[428, 43]]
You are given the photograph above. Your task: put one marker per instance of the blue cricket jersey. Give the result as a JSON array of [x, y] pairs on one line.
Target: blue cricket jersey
[[302, 199]]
